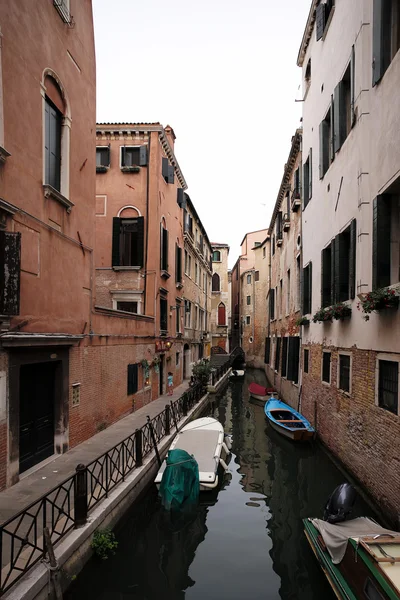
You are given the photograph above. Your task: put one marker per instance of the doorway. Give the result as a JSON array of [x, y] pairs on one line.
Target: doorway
[[36, 413], [162, 366]]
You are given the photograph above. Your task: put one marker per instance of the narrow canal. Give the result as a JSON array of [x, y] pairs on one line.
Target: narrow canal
[[246, 542]]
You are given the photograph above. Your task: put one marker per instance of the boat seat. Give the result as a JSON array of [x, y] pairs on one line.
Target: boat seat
[[288, 420]]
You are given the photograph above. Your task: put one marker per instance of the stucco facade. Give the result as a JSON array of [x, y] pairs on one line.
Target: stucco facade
[[258, 327], [351, 236], [220, 297]]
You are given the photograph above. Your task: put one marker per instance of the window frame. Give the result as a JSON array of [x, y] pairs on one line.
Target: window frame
[[214, 278], [215, 259], [248, 320], [330, 367], [338, 382], [248, 300], [388, 357], [106, 150]]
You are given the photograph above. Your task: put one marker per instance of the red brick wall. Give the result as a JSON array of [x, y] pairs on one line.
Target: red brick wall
[[365, 437]]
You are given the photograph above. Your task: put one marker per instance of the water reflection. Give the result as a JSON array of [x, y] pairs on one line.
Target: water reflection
[[244, 542]]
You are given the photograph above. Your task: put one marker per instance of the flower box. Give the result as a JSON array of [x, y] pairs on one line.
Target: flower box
[[377, 300]]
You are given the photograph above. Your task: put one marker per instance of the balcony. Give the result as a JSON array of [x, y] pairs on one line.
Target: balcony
[[286, 222], [296, 200]]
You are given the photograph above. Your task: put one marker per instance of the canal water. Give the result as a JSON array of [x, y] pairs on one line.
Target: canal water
[[246, 542]]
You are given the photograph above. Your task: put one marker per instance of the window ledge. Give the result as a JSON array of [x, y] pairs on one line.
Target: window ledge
[[163, 332], [3, 155], [134, 169], [326, 383], [50, 192], [102, 169], [164, 274], [286, 226], [215, 291], [126, 268], [344, 393]]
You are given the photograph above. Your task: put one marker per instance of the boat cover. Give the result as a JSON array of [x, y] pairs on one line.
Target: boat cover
[[179, 486], [260, 390], [336, 536]]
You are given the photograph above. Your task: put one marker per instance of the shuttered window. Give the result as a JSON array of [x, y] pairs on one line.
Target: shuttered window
[[10, 268], [307, 289], [277, 353], [133, 379], [381, 236], [338, 267], [221, 314], [164, 315], [133, 156], [388, 385], [215, 285], [53, 120], [248, 300], [307, 179], [284, 356], [305, 360], [344, 372], [385, 36], [293, 359], [178, 264], [320, 21], [326, 151], [326, 367], [102, 158], [272, 304], [257, 275], [164, 249], [128, 242]]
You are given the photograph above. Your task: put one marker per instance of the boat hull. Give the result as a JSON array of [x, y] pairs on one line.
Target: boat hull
[[287, 421], [301, 435]]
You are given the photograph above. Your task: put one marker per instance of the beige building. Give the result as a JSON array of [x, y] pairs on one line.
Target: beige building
[[351, 233], [220, 297], [197, 291], [258, 325], [282, 344]]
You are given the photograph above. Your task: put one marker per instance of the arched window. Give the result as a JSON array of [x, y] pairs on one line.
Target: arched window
[[215, 283], [216, 256], [221, 314]]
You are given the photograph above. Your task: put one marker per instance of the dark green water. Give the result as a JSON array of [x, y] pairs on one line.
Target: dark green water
[[245, 543]]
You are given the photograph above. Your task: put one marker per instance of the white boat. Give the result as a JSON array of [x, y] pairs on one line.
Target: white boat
[[205, 440]]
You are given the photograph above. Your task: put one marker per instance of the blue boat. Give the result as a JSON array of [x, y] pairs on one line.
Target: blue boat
[[287, 421]]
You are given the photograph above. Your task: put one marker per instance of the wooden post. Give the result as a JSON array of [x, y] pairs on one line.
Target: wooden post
[[54, 572]]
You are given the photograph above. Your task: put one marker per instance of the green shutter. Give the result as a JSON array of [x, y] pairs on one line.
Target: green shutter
[[336, 273], [306, 179], [339, 117], [116, 234], [352, 86], [123, 156], [381, 242], [323, 148], [322, 278], [331, 146], [310, 174], [293, 359], [310, 288], [352, 258], [320, 20], [377, 41], [138, 259], [171, 174], [333, 271], [133, 377], [143, 156], [284, 356], [165, 168]]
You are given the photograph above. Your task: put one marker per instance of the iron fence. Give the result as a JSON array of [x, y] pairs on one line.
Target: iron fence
[[67, 505]]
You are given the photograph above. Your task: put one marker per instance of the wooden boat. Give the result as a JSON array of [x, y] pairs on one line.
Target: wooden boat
[[259, 392], [205, 440], [287, 421], [369, 565], [237, 374]]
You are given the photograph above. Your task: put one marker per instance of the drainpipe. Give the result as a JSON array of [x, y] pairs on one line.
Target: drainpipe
[[254, 308], [268, 294], [147, 225]]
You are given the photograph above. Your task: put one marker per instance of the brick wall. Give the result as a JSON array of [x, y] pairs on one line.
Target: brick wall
[[362, 435]]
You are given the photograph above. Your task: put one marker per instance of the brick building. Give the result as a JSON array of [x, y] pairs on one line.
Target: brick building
[[197, 293], [282, 344], [351, 231], [220, 297]]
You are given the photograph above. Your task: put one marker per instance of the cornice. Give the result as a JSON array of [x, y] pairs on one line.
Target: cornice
[[307, 33]]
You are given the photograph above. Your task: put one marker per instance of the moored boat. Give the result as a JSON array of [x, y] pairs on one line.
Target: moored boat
[[205, 440], [360, 559], [287, 421], [260, 392]]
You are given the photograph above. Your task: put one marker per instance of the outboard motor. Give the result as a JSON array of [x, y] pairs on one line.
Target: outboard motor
[[340, 503]]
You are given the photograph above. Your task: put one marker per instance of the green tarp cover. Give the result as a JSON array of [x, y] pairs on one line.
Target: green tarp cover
[[179, 486]]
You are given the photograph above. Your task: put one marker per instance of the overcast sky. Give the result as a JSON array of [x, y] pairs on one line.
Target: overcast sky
[[223, 74]]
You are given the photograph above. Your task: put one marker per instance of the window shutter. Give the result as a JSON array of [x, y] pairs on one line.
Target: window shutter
[[257, 276], [377, 41], [339, 117], [180, 197], [108, 156], [116, 234], [331, 146], [139, 243], [352, 258], [267, 350], [322, 279], [277, 353], [381, 242], [320, 20], [352, 87], [123, 156], [52, 146], [333, 271], [342, 293], [165, 168], [143, 156], [293, 359], [336, 274], [10, 267], [301, 299], [284, 356], [164, 265], [306, 178], [132, 379], [300, 182], [323, 149], [310, 174], [171, 174], [272, 304], [178, 266], [310, 287]]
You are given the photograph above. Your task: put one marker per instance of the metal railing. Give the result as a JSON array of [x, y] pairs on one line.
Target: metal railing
[[67, 505]]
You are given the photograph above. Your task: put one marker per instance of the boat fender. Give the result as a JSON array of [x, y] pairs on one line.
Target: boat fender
[[340, 503], [223, 464]]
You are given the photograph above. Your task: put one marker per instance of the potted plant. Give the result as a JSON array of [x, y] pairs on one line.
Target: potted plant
[[302, 321], [377, 300], [323, 315], [341, 311], [155, 362]]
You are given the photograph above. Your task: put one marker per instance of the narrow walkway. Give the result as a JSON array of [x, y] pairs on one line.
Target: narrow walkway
[[34, 485]]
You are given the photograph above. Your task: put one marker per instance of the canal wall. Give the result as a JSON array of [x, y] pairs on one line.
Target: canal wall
[[75, 550]]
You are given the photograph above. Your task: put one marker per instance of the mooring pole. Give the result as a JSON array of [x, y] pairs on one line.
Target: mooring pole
[[53, 564], [153, 437]]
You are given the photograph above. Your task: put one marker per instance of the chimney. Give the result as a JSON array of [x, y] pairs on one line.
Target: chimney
[[169, 132]]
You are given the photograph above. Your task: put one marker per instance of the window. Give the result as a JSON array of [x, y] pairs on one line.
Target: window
[[307, 289], [305, 360], [196, 272], [307, 177], [327, 292], [102, 158], [326, 367], [388, 385], [53, 122], [128, 306], [272, 304], [164, 315], [128, 242], [178, 264], [177, 359], [196, 317], [277, 353], [188, 223], [344, 372], [221, 314], [273, 245], [164, 248], [247, 320], [133, 379], [216, 256], [284, 356], [248, 278], [132, 157], [385, 240], [326, 153], [215, 283], [322, 14], [267, 354], [201, 319], [248, 300], [188, 313], [62, 7], [385, 36], [178, 318], [343, 105], [288, 293], [264, 252], [307, 74], [256, 275], [338, 267], [293, 359], [298, 283], [278, 226], [167, 171]]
